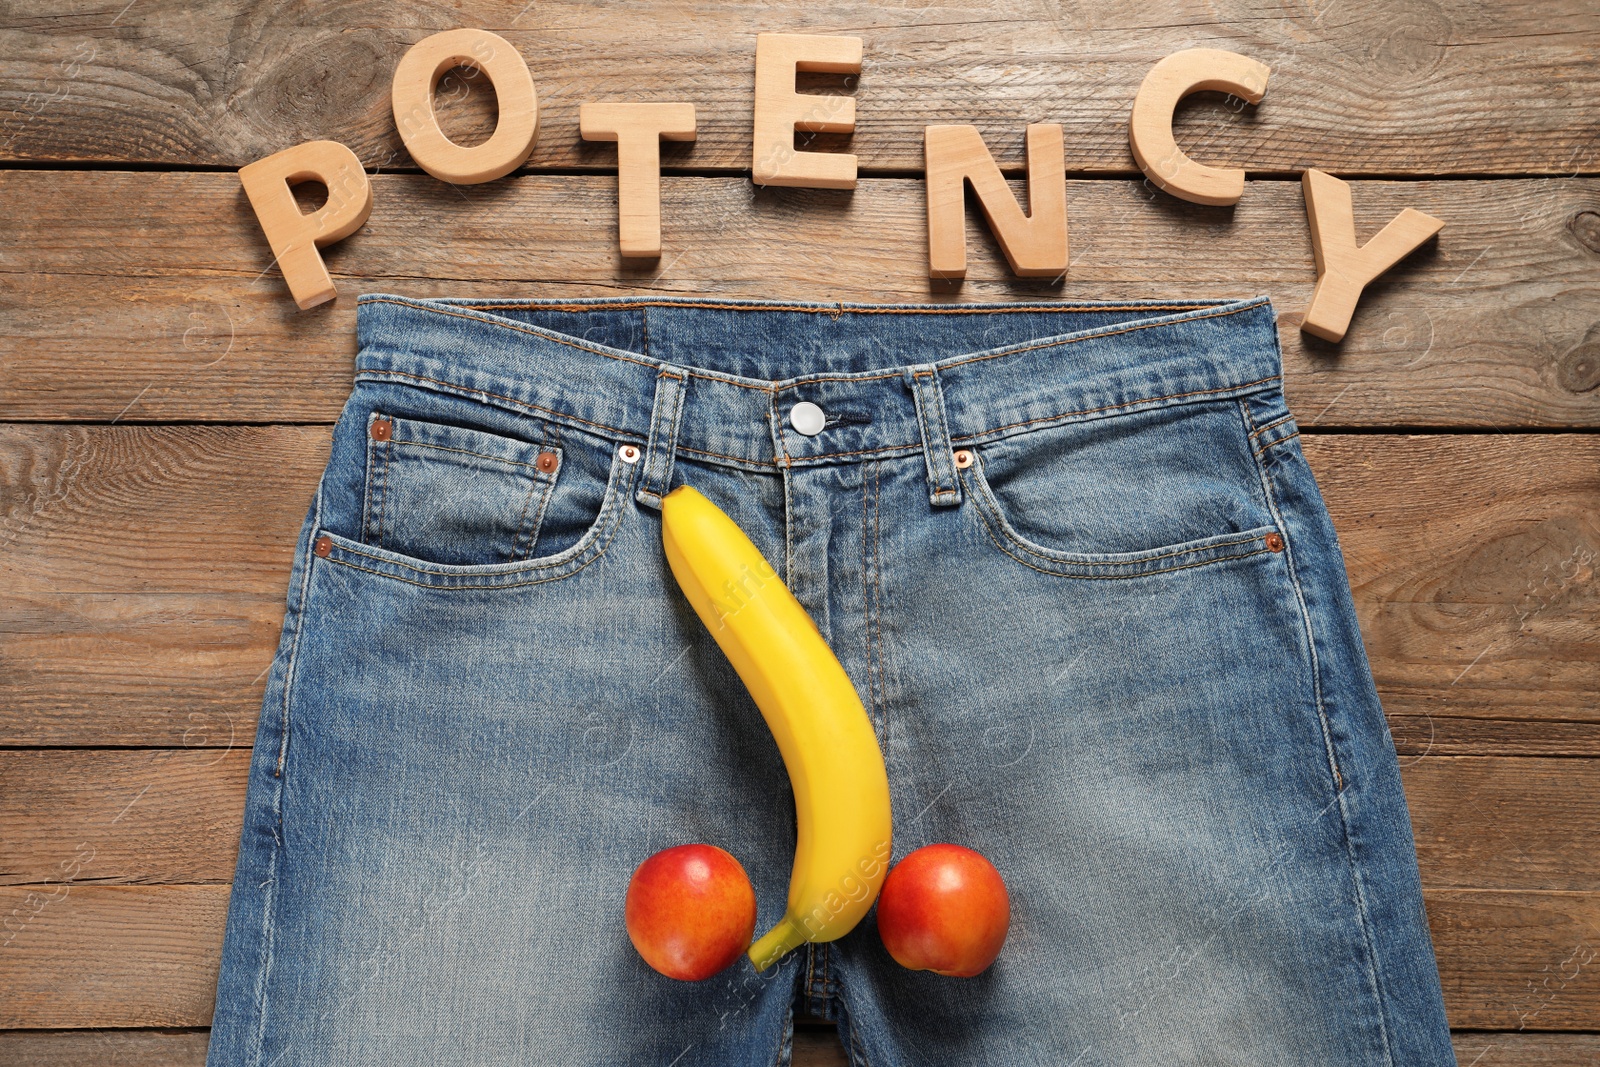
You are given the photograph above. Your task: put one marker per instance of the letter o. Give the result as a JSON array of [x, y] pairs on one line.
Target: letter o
[[412, 98]]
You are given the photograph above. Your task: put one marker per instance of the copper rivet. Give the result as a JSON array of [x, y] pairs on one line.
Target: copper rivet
[[963, 458], [323, 546], [547, 461], [630, 454], [381, 428], [1275, 542]]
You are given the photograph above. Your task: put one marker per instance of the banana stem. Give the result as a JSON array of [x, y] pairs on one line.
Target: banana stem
[[777, 942]]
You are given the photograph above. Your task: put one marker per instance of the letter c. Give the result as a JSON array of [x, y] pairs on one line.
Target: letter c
[[1150, 128]]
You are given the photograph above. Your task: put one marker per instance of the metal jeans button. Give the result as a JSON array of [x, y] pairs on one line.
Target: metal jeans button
[[807, 418]]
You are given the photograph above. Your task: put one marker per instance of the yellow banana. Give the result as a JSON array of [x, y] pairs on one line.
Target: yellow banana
[[841, 790]]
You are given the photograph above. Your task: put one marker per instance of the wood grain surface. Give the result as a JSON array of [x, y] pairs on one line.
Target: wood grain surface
[[168, 281], [1359, 87]]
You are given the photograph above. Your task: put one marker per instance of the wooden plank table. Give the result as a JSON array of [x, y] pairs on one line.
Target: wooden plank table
[[165, 410]]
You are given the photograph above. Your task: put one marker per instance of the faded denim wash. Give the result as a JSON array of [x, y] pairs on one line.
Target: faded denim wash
[[1071, 556]]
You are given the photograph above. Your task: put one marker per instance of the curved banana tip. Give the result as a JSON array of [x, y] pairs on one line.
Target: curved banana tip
[[776, 943]]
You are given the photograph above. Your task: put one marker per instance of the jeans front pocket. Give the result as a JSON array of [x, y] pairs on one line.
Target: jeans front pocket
[[1132, 493], [451, 494]]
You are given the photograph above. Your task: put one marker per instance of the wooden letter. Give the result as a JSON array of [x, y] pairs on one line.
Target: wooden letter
[[294, 235], [1343, 270], [638, 130], [1036, 244], [1150, 128], [780, 110], [412, 97]]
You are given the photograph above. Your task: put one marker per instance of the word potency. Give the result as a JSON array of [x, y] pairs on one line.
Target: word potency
[[1035, 244]]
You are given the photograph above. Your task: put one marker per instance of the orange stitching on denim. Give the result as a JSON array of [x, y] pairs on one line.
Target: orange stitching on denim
[[725, 455], [1275, 444], [991, 508], [1116, 577], [463, 451], [1092, 337], [522, 522], [885, 311], [383, 493], [877, 581], [865, 451], [1111, 407], [672, 446], [784, 446], [939, 310], [453, 587], [809, 380], [508, 399], [725, 380], [932, 309], [513, 326], [1270, 426], [600, 543]]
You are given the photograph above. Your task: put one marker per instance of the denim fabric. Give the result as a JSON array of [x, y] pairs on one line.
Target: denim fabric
[[1070, 554]]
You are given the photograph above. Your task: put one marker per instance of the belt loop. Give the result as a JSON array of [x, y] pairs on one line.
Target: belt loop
[[656, 477], [944, 488]]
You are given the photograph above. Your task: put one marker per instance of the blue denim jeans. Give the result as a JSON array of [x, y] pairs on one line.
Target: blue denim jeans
[[1070, 554]]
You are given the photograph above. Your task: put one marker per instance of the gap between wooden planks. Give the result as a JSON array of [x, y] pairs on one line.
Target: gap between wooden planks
[[1376, 87], [152, 297]]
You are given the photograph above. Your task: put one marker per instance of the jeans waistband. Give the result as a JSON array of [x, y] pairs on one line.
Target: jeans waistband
[[719, 378]]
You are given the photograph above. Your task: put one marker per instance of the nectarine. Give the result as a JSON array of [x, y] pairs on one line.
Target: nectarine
[[944, 908], [690, 911]]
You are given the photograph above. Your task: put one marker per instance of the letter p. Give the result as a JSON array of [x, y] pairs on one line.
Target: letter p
[[294, 235]]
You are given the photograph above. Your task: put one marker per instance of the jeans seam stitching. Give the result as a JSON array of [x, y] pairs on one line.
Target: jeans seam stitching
[[830, 310], [617, 431], [454, 588], [1119, 405], [788, 461], [598, 547], [531, 533], [938, 468], [1274, 424], [866, 592], [1333, 765], [922, 428], [988, 506], [461, 451], [1125, 577], [1274, 444], [654, 447], [677, 421], [785, 1037], [383, 493], [877, 578], [270, 893], [856, 1052]]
